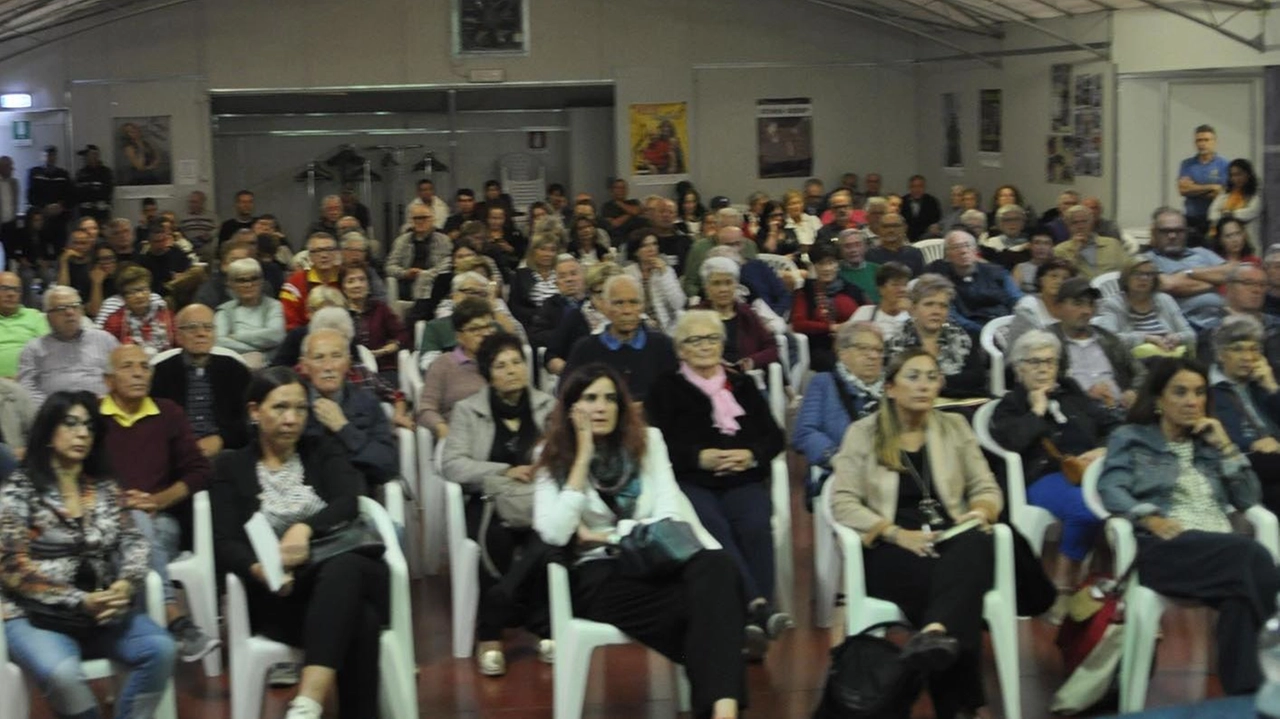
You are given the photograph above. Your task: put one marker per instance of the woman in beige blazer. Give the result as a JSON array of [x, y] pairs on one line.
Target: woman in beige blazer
[[903, 475]]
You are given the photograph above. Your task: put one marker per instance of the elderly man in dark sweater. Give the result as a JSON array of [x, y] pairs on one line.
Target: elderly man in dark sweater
[[157, 462], [209, 387], [346, 413], [641, 355]]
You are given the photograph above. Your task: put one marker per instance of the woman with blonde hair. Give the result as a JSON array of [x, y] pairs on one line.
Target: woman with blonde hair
[[535, 278]]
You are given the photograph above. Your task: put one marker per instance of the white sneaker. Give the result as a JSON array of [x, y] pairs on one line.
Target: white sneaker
[[492, 663], [547, 651], [303, 708]]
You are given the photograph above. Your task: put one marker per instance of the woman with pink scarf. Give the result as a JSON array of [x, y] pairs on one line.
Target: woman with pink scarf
[[722, 437]]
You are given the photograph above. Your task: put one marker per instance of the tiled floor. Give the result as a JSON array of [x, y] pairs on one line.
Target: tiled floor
[[632, 683]]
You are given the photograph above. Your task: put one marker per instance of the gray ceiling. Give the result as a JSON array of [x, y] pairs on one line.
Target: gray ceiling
[[21, 18]]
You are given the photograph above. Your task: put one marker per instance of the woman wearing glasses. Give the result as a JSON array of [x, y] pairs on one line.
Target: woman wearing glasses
[[305, 488], [251, 323], [903, 474], [67, 546], [1246, 399], [1147, 319], [722, 437], [1046, 410], [454, 376]]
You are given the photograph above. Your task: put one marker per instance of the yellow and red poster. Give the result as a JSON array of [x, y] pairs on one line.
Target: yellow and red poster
[[660, 139]]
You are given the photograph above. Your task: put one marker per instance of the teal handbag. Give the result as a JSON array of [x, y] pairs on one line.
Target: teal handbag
[[657, 549]]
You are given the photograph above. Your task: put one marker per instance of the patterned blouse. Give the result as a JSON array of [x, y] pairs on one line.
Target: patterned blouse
[[954, 345], [286, 498], [41, 546], [1194, 506]]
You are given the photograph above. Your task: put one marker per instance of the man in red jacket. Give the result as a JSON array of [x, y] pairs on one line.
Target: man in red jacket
[[157, 462], [326, 260]]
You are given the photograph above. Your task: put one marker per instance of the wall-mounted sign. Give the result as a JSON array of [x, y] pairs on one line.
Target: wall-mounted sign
[[22, 133]]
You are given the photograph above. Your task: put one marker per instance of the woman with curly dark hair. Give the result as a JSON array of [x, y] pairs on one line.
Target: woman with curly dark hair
[[602, 473]]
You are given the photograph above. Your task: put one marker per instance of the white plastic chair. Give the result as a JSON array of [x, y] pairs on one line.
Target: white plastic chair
[[523, 178], [419, 329], [800, 372], [397, 493], [1034, 522], [15, 702], [194, 571], [464, 567], [998, 605], [1108, 283], [431, 503], [1143, 606], [252, 655], [932, 249], [546, 381], [992, 339], [783, 561], [367, 359], [777, 395], [826, 561]]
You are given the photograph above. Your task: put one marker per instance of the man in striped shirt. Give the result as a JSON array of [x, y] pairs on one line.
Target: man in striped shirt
[[199, 226], [71, 357]]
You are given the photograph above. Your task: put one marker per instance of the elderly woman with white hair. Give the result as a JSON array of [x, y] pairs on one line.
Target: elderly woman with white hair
[[836, 399], [1009, 245], [748, 343], [929, 327], [1046, 417], [722, 438], [664, 299], [1246, 399], [251, 323]]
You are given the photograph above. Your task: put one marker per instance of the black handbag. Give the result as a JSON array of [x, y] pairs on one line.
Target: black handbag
[[72, 621], [656, 549], [358, 535], [867, 679]]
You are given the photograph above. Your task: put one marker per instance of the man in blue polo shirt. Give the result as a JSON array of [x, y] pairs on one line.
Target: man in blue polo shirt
[[640, 354], [1202, 178]]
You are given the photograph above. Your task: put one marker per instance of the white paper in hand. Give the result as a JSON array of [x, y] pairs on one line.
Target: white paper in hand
[[267, 546]]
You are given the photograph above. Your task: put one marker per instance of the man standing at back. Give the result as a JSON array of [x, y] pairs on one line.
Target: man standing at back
[[49, 191], [1202, 178], [198, 225], [243, 219]]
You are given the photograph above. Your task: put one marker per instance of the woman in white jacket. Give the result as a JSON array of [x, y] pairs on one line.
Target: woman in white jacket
[[1241, 200], [600, 474], [664, 300]]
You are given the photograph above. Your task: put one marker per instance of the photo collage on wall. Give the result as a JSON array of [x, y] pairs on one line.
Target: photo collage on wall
[[1073, 146]]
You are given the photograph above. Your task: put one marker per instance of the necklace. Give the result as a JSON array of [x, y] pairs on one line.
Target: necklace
[[929, 507]]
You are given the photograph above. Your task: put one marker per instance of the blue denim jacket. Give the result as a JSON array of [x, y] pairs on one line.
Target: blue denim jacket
[[1140, 472]]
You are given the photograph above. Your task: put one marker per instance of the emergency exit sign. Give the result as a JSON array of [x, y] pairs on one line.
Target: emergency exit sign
[[22, 133]]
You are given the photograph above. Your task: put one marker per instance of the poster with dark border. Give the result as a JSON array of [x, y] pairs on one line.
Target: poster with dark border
[[951, 153], [784, 137], [989, 121], [490, 27], [143, 154]]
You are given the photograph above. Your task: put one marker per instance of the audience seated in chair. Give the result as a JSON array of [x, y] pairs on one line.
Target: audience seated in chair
[[325, 262], [1095, 358], [891, 245], [358, 375], [1171, 470], [854, 268], [1091, 253], [251, 323], [641, 354], [557, 308], [159, 466], [722, 438], [206, 385], [1042, 410], [748, 343], [893, 308], [1040, 251], [289, 353], [958, 356], [162, 258], [535, 278], [71, 357], [139, 321], [305, 488], [68, 545], [454, 376], [1245, 293], [1038, 310], [377, 326], [1246, 399], [823, 304], [728, 222], [418, 250], [1009, 244], [600, 474], [489, 453], [217, 288], [1147, 319], [900, 475], [590, 320], [343, 413], [663, 298], [1191, 275], [18, 323], [983, 291]]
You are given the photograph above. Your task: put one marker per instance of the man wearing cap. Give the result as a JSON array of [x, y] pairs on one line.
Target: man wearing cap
[[94, 186], [1092, 356], [49, 191]]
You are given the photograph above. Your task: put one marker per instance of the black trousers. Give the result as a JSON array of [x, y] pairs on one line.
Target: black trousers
[[949, 590], [1267, 467], [1231, 573], [696, 618], [335, 612], [518, 597]]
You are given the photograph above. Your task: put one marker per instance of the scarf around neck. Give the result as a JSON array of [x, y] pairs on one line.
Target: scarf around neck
[[725, 409]]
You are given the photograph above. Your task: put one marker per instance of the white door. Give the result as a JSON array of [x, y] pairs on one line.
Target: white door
[[1230, 106]]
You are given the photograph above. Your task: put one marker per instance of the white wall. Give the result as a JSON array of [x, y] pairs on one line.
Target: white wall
[[1147, 41], [1025, 82]]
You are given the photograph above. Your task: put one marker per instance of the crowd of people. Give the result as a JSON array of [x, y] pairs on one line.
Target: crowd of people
[[192, 356]]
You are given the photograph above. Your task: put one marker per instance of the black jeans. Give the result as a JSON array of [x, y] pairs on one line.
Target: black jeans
[[518, 597], [696, 618], [335, 613], [1231, 573]]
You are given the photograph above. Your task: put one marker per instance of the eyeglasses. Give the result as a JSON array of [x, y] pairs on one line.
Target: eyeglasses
[[702, 340], [1171, 230], [1252, 284], [324, 250], [866, 349], [10, 288], [473, 291], [196, 327], [842, 207], [247, 280], [73, 423], [1037, 362], [422, 217], [69, 307]]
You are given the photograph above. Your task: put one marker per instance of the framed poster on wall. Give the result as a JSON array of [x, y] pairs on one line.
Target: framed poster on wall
[[490, 27], [143, 156], [660, 140], [784, 137]]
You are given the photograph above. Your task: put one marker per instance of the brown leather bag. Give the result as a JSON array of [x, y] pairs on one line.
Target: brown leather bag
[[1073, 466]]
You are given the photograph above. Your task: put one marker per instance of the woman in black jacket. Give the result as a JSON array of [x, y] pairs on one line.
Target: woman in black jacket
[[722, 438], [535, 279], [305, 488], [1045, 409]]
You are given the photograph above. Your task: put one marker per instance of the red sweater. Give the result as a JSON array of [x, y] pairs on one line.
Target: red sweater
[[805, 317], [157, 451]]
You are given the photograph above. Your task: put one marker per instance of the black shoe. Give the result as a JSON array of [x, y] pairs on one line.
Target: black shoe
[[757, 643], [771, 621], [930, 651]]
